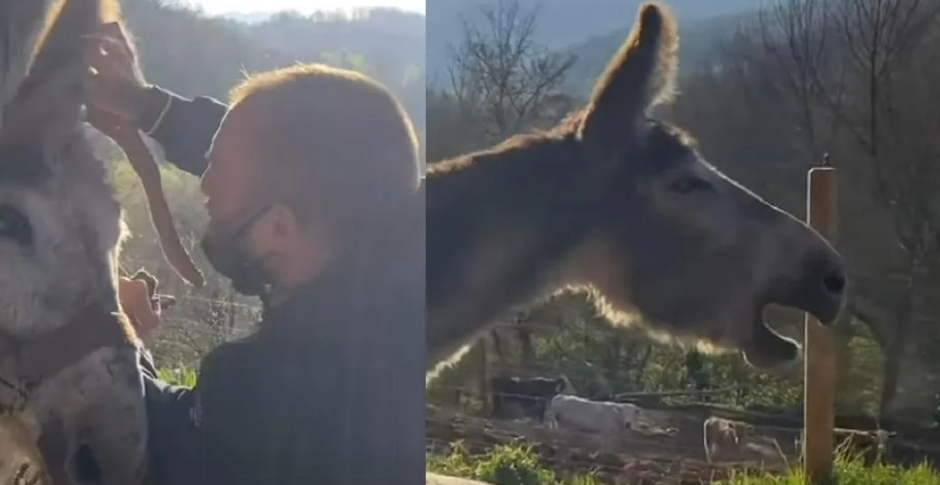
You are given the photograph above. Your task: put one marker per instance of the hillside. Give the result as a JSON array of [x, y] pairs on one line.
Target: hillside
[[561, 23], [195, 54], [697, 40], [248, 18]]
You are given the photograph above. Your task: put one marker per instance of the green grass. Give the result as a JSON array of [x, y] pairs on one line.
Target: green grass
[[181, 376], [851, 471], [519, 465], [503, 465]]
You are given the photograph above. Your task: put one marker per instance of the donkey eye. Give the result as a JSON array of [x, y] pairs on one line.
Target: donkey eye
[[15, 226], [689, 184]]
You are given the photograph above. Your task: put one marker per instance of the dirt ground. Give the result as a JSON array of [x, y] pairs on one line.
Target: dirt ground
[[652, 457]]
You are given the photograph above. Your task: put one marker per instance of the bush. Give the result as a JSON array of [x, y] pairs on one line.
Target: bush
[[503, 465]]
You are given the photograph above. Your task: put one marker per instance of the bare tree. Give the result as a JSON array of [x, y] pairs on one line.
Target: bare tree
[[796, 49], [502, 79], [885, 113], [866, 67], [793, 37], [504, 82]]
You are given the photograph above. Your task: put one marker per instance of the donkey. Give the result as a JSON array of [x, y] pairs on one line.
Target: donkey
[[82, 421], [625, 208]]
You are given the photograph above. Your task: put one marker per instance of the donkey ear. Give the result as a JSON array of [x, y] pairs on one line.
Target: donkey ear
[[642, 74], [50, 98], [24, 24]]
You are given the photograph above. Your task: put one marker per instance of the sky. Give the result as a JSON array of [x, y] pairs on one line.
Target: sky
[[214, 7]]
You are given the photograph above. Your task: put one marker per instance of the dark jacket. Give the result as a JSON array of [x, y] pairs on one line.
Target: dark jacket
[[330, 390]]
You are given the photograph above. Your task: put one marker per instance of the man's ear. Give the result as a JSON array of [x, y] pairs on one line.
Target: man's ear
[[285, 226], [285, 219], [280, 224]]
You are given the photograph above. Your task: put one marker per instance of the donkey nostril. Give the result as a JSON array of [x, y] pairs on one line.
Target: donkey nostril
[[87, 468], [834, 282]]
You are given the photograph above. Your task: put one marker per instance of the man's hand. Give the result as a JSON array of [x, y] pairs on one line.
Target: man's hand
[[115, 84], [141, 307], [112, 125]]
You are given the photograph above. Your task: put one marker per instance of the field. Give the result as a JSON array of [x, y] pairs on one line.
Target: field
[[509, 465], [642, 459], [522, 453]]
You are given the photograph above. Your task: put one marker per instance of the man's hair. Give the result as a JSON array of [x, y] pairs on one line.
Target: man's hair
[[340, 145]]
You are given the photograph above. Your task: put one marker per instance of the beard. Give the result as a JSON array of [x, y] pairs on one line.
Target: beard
[[227, 251]]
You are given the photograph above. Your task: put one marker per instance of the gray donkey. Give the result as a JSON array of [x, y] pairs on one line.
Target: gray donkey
[[625, 207], [82, 421]]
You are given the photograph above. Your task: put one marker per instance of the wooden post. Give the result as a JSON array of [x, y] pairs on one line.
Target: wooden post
[[485, 376], [819, 348]]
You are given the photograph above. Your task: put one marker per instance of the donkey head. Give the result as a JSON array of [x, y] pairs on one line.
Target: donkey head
[[60, 232], [60, 225], [677, 244]]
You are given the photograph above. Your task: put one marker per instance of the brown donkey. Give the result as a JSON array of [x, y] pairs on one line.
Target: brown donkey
[[625, 207], [77, 415]]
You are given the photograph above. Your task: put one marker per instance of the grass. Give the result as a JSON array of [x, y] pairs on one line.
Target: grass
[[180, 376], [851, 471], [520, 465], [503, 465]]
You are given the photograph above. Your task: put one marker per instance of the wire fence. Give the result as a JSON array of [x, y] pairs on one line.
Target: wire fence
[[462, 418], [669, 451], [668, 448], [193, 325], [462, 414]]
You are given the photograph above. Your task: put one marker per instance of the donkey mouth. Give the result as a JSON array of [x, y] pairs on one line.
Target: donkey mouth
[[825, 309], [822, 295], [764, 348]]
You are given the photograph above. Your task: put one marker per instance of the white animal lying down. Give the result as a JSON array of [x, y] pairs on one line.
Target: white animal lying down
[[591, 416], [729, 440]]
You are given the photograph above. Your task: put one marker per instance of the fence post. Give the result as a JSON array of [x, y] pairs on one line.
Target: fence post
[[485, 375], [819, 348]]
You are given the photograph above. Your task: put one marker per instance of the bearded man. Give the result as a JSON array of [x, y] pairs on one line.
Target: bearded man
[[314, 198]]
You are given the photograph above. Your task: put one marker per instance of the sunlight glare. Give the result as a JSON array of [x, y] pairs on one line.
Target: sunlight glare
[[216, 7]]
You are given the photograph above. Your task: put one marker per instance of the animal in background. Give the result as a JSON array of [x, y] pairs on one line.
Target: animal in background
[[735, 441], [722, 437], [531, 395], [591, 416], [608, 420]]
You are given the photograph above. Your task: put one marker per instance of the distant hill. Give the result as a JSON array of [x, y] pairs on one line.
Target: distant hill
[[195, 54], [697, 40], [562, 23], [249, 17]]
